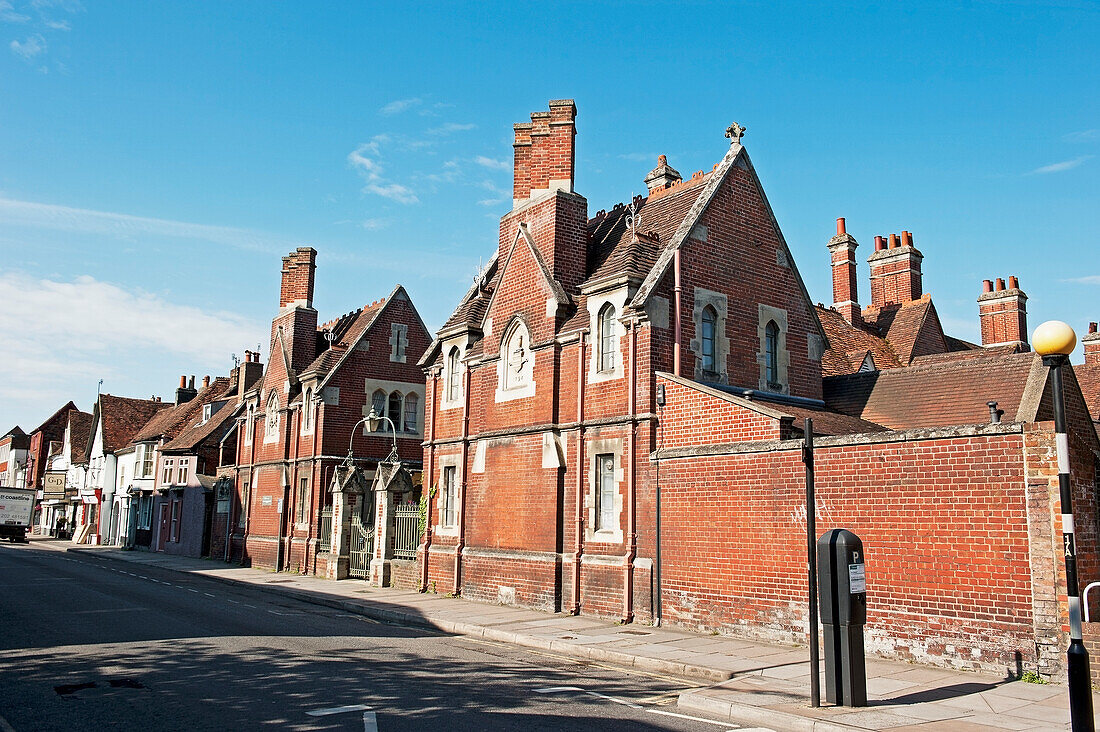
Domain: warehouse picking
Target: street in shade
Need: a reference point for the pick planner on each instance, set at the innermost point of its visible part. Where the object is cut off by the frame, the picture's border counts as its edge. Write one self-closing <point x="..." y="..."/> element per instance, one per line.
<point x="94" y="644"/>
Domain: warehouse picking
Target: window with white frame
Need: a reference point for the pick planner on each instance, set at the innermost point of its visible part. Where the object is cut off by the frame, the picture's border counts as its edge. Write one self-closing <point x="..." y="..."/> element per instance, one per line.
<point x="412" y="411"/>
<point x="606" y="515"/>
<point x="448" y="499"/>
<point x="249" y="424"/>
<point x="307" y="410"/>
<point x="177" y="506"/>
<point x="271" y="429"/>
<point x="707" y="339"/>
<point x="166" y="471"/>
<point x="378" y="404"/>
<point x="144" y="464"/>
<point x="145" y="512"/>
<point x="207" y="410"/>
<point x="453" y="375"/>
<point x="181" y="473"/>
<point x="606" y="339"/>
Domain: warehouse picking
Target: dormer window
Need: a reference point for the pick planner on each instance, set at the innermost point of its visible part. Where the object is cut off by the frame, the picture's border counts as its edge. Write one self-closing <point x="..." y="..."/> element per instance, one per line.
<point x="207" y="410"/>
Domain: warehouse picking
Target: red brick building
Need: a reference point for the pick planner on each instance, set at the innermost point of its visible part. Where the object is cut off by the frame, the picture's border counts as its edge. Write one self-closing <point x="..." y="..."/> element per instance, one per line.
<point x="296" y="423"/>
<point x="658" y="360"/>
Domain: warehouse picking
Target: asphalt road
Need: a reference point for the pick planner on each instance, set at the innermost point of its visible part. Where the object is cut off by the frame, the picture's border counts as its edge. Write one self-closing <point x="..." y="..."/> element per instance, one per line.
<point x="93" y="644"/>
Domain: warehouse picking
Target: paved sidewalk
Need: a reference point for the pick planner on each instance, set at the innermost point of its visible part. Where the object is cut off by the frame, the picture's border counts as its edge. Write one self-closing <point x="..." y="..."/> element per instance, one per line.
<point x="749" y="682"/>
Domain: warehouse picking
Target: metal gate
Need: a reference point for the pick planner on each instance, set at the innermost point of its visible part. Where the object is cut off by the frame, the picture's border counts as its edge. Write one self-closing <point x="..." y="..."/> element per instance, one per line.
<point x="362" y="548"/>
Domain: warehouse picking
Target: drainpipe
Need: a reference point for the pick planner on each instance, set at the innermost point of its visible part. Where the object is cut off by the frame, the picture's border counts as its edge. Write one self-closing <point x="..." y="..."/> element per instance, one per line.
<point x="579" y="539"/>
<point x="462" y="484"/>
<point x="312" y="473"/>
<point x="428" y="483"/>
<point x="631" y="519"/>
<point x="281" y="556"/>
<point x="677" y="289"/>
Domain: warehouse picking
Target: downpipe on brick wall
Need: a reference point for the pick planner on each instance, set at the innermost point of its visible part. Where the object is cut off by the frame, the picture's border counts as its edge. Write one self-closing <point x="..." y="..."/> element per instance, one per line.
<point x="461" y="545"/>
<point x="676" y="315"/>
<point x="426" y="485"/>
<point x="280" y="556"/>
<point x="631" y="519"/>
<point x="579" y="545"/>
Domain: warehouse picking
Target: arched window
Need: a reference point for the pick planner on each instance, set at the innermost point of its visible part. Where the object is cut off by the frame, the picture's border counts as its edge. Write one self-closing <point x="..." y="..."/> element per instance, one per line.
<point x="272" y="417"/>
<point x="250" y="423"/>
<point x="771" y="354"/>
<point x="378" y="404"/>
<point x="307" y="409"/>
<point x="607" y="337"/>
<point x="707" y="338"/>
<point x="454" y="386"/>
<point x="412" y="411"/>
<point x="394" y="412"/>
<point x="517" y="354"/>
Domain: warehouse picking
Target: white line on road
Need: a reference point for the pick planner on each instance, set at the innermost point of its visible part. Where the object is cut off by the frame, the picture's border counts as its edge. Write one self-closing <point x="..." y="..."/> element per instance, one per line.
<point x="208" y="594"/>
<point x="337" y="710"/>
<point x="727" y="725"/>
<point x="192" y="589"/>
<point x="554" y="689"/>
<point x="370" y="722"/>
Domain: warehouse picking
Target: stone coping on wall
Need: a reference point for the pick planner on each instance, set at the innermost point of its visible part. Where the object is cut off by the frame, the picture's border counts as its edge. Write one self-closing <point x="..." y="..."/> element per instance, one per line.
<point x="865" y="438"/>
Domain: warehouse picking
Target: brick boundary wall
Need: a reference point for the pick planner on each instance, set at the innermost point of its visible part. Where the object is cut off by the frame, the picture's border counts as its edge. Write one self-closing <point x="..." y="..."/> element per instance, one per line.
<point x="955" y="524"/>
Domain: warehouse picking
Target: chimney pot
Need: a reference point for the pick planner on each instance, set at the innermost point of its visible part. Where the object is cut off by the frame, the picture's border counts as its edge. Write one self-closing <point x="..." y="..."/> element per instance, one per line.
<point x="880" y="244"/>
<point x="1013" y="282"/>
<point x="894" y="241"/>
<point x="183" y="382"/>
<point x="662" y="160"/>
<point x="840" y="228"/>
<point x="1092" y="327"/>
<point x="1000" y="284"/>
<point x="987" y="285"/>
<point x="191" y="384"/>
<point x="206" y="381"/>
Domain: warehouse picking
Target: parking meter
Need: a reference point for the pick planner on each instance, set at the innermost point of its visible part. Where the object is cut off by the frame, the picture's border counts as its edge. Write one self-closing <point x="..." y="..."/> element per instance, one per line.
<point x="842" y="593"/>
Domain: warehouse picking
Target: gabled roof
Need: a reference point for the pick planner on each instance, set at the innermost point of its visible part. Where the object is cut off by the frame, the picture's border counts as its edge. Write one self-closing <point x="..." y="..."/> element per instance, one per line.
<point x="80" y="425"/>
<point x="941" y="394"/>
<point x="58" y="417"/>
<point x="15" y="431"/>
<point x="330" y="361"/>
<point x="171" y="421"/>
<point x="196" y="431"/>
<point x="912" y="328"/>
<point x="849" y="344"/>
<point x="121" y="418"/>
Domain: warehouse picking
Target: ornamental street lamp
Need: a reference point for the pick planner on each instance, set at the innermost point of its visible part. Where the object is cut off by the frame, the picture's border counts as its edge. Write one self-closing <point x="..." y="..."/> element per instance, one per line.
<point x="1054" y="341"/>
<point x="372" y="420"/>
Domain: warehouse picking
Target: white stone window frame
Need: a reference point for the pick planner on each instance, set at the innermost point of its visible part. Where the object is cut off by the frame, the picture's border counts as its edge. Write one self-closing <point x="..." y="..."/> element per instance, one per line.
<point x="309" y="415"/>
<point x="522" y="385"/>
<point x="302" y="502"/>
<point x="272" y="420"/>
<point x="595" y="304"/>
<point x="445" y="400"/>
<point x="448" y="461"/>
<point x="719" y="301"/>
<point x="594" y="449"/>
<point x="767" y="314"/>
<point x="370" y="386"/>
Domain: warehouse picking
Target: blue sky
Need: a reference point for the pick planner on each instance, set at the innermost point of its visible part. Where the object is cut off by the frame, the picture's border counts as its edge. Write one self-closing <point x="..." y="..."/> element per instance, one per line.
<point x="156" y="159"/>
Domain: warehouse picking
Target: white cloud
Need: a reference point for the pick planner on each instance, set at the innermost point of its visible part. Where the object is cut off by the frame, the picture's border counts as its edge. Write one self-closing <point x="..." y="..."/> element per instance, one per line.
<point x="125" y="226"/>
<point x="400" y="105"/>
<point x="492" y="163"/>
<point x="1082" y="135"/>
<point x="1062" y="166"/>
<point x="449" y="127"/>
<point x="85" y="329"/>
<point x="489" y="201"/>
<point x="373" y="224"/>
<point x="9" y="15"/>
<point x="28" y="49"/>
<point x="58" y="25"/>
<point x="1086" y="280"/>
<point x="364" y="160"/>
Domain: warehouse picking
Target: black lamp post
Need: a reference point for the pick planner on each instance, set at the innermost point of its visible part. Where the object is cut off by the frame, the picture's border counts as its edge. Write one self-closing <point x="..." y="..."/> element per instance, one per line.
<point x="1054" y="341"/>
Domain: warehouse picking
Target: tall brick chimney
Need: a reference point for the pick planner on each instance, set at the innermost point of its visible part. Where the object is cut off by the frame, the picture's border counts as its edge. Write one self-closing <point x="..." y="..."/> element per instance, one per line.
<point x="185" y="393"/>
<point x="895" y="271"/>
<point x="1091" y="343"/>
<point x="297" y="283"/>
<point x="842" y="251"/>
<point x="544" y="203"/>
<point x="544" y="152"/>
<point x="296" y="316"/>
<point x="1003" y="312"/>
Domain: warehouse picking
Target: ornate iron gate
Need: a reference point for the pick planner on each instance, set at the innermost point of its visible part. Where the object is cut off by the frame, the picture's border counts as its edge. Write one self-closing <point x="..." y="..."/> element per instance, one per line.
<point x="362" y="548"/>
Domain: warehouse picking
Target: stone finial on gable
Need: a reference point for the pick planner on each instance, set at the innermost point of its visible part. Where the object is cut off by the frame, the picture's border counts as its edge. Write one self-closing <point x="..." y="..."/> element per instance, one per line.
<point x="735" y="132"/>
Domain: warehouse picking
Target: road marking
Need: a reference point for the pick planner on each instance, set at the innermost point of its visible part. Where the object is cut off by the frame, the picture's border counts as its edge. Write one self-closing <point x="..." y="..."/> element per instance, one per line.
<point x="192" y="589"/>
<point x="337" y="710"/>
<point x="208" y="594"/>
<point x="727" y="725"/>
<point x="554" y="689"/>
<point x="235" y="602"/>
<point x="370" y="722"/>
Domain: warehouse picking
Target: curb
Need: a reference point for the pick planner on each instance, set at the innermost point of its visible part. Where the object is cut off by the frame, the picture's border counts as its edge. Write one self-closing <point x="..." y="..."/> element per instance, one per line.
<point x="396" y="617"/>
<point x="747" y="714"/>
